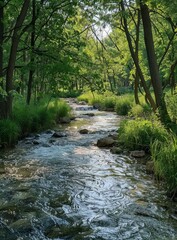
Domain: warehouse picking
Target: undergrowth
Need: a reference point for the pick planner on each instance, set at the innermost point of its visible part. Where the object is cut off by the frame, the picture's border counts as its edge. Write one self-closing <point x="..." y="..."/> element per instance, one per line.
<point x="33" y="118"/>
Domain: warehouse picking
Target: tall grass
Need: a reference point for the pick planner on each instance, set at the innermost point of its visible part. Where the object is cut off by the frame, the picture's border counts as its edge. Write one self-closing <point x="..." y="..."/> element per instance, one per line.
<point x="139" y="134"/>
<point x="164" y="155"/>
<point x="9" y="132"/>
<point x="171" y="102"/>
<point x="124" y="104"/>
<point x="33" y="118"/>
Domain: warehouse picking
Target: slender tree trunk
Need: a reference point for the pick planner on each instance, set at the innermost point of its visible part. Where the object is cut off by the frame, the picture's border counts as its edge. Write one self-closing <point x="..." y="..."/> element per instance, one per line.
<point x="12" y="58"/>
<point x="2" y="98"/>
<point x="136" y="84"/>
<point x="152" y="61"/>
<point x="31" y="72"/>
<point x="134" y="57"/>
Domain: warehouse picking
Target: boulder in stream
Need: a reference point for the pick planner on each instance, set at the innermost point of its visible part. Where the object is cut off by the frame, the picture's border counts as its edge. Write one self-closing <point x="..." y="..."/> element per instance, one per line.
<point x="106" y="142"/>
<point x="64" y="120"/>
<point x="138" y="154"/>
<point x="89" y="114"/>
<point x="116" y="150"/>
<point x="22" y="225"/>
<point x="59" y="134"/>
<point x="84" y="131"/>
<point x="2" y="168"/>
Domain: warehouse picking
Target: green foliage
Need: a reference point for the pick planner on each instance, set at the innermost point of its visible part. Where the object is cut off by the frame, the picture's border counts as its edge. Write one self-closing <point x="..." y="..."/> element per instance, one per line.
<point x="139" y="133"/>
<point x="59" y="108"/>
<point x="140" y="110"/>
<point x="9" y="132"/>
<point x="102" y="101"/>
<point x="109" y="102"/>
<point x="164" y="155"/>
<point x="36" y="117"/>
<point x="171" y="101"/>
<point x="124" y="104"/>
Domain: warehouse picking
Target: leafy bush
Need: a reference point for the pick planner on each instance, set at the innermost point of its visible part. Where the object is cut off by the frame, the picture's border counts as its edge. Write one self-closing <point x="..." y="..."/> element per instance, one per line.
<point x="124" y="104"/>
<point x="171" y="102"/>
<point x="139" y="134"/>
<point x="109" y="102"/>
<point x="102" y="101"/>
<point x="164" y="155"/>
<point x="9" y="132"/>
<point x="35" y="118"/>
<point x="140" y="110"/>
<point x="59" y="108"/>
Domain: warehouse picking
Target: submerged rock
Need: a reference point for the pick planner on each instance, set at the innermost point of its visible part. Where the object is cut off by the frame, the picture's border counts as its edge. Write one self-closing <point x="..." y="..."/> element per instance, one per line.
<point x="22" y="225"/>
<point x="59" y="134"/>
<point x="64" y="120"/>
<point x="116" y="150"/>
<point x="113" y="136"/>
<point x="2" y="168"/>
<point x="89" y="114"/>
<point x="105" y="142"/>
<point x="35" y="142"/>
<point x="84" y="131"/>
<point x="138" y="154"/>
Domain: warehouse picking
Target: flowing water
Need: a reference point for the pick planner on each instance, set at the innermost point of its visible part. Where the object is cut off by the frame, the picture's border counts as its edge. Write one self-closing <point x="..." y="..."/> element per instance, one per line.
<point x="68" y="188"/>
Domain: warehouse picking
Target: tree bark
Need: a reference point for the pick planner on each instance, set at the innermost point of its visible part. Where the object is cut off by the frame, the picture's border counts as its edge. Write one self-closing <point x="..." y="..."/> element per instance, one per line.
<point x="12" y="58"/>
<point x="134" y="57"/>
<point x="136" y="84"/>
<point x="31" y="72"/>
<point x="2" y="98"/>
<point x="152" y="60"/>
<point x="153" y="66"/>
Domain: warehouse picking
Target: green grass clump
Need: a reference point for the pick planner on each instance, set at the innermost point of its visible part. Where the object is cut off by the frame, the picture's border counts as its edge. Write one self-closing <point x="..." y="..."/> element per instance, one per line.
<point x="164" y="155"/>
<point x="140" y="110"/>
<point x="103" y="101"/>
<point x="109" y="103"/>
<point x="124" y="104"/>
<point x="171" y="102"/>
<point x="9" y="132"/>
<point x="139" y="134"/>
<point x="59" y="108"/>
<point x="37" y="117"/>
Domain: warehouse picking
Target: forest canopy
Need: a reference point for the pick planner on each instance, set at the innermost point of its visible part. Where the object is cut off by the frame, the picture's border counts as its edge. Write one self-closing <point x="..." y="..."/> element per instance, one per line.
<point x="48" y="47"/>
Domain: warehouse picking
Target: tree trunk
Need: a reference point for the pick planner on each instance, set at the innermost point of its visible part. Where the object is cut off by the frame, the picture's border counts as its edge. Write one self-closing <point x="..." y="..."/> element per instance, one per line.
<point x="136" y="84"/>
<point x="31" y="73"/>
<point x="152" y="61"/>
<point x="134" y="57"/>
<point x="2" y="98"/>
<point x="12" y="58"/>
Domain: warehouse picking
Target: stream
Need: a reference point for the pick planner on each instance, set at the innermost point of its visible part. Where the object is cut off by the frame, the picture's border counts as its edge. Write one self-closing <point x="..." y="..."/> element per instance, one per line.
<point x="68" y="188"/>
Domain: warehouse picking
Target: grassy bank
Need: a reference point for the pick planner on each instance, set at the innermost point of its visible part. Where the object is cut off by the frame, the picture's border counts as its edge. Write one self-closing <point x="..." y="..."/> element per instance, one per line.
<point x="33" y="118"/>
<point x="122" y="105"/>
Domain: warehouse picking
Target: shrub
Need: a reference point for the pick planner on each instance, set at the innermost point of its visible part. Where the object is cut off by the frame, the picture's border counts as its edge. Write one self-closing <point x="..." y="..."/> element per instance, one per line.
<point x="123" y="105"/>
<point x="140" y="110"/>
<point x="9" y="132"/>
<point x="35" y="118"/>
<point x="139" y="134"/>
<point x="23" y="116"/>
<point x="171" y="102"/>
<point x="109" y="102"/>
<point x="164" y="155"/>
<point x="59" y="108"/>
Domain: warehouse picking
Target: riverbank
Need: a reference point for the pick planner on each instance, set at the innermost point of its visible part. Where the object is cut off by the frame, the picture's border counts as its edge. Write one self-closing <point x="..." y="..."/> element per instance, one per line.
<point x="34" y="118"/>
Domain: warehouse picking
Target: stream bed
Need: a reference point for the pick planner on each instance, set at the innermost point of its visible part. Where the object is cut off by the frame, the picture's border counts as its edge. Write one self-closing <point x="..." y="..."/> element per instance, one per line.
<point x="68" y="188"/>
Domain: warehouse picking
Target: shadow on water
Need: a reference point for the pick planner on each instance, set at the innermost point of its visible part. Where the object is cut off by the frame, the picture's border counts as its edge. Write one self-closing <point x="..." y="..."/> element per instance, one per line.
<point x="68" y="188"/>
